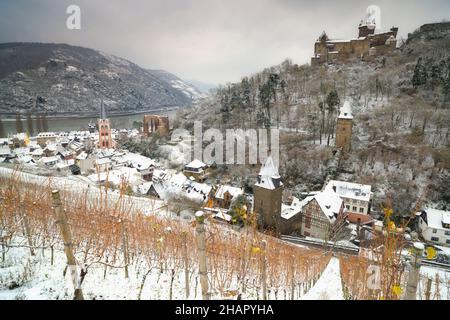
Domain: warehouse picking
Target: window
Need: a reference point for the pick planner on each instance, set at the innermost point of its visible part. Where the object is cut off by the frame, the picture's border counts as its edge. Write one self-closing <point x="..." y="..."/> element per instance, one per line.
<point x="355" y="208"/>
<point x="435" y="239"/>
<point x="447" y="233"/>
<point x="348" y="207"/>
<point x="434" y="230"/>
<point x="448" y="241"/>
<point x="361" y="210"/>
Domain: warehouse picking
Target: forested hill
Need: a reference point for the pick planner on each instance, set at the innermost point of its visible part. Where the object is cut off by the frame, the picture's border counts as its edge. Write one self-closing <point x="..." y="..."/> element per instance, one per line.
<point x="60" y="78"/>
<point x="401" y="104"/>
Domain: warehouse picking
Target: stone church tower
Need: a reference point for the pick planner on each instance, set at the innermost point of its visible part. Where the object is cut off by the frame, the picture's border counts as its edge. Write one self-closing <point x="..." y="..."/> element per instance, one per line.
<point x="344" y="128"/>
<point x="105" y="140"/>
<point x="268" y="192"/>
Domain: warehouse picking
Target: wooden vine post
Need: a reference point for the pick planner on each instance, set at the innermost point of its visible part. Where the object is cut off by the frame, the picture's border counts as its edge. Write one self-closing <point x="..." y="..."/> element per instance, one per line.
<point x="264" y="268"/>
<point x="201" y="245"/>
<point x="186" y="264"/>
<point x="414" y="271"/>
<point x="62" y="221"/>
<point x="124" y="246"/>
<point x="26" y="226"/>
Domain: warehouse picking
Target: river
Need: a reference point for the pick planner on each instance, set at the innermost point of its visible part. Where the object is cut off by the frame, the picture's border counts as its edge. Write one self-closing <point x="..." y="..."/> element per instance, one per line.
<point x="81" y="123"/>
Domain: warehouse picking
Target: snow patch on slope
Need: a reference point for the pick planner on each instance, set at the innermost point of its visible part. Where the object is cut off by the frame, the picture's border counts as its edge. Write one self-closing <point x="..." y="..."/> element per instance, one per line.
<point x="329" y="285"/>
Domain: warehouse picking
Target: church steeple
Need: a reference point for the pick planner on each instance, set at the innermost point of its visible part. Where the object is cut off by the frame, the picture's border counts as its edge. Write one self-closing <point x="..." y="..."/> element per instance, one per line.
<point x="102" y="111"/>
<point x="105" y="140"/>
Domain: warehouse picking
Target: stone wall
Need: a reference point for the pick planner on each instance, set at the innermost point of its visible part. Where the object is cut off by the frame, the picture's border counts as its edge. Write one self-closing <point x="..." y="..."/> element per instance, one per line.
<point x="329" y="51"/>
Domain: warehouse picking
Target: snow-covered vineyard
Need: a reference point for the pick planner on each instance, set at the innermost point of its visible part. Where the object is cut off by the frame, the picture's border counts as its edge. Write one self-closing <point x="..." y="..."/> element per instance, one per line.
<point x="123" y="252"/>
<point x="134" y="248"/>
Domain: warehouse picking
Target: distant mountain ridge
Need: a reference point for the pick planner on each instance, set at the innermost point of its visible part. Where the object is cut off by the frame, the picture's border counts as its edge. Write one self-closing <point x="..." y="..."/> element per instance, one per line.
<point x="64" y="79"/>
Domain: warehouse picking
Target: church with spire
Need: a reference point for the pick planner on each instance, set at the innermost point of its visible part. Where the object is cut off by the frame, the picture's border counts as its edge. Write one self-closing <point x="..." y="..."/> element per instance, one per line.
<point x="105" y="140"/>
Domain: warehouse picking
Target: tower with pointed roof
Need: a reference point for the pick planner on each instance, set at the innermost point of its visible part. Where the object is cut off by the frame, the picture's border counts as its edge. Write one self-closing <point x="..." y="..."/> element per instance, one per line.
<point x="105" y="140"/>
<point x="268" y="192"/>
<point x="344" y="127"/>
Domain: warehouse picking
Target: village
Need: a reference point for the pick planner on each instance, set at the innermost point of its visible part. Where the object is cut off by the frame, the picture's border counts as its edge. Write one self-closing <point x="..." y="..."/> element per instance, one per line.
<point x="318" y="178"/>
<point x="338" y="215"/>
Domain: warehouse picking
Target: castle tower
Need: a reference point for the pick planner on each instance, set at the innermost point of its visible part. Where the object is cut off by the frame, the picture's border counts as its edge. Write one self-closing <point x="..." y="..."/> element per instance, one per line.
<point x="268" y="193"/>
<point x="344" y="127"/>
<point x="156" y="123"/>
<point x="105" y="140"/>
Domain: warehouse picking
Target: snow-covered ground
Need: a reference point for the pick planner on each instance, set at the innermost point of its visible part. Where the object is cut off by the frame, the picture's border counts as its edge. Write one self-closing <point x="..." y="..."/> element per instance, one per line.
<point x="37" y="279"/>
<point x="77" y="184"/>
<point x="329" y="285"/>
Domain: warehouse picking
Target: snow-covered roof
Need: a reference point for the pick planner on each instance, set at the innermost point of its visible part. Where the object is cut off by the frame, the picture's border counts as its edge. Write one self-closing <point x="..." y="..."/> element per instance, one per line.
<point x="196" y="164"/>
<point x="446" y="217"/>
<point x="25" y="158"/>
<point x="145" y="187"/>
<point x="267" y="175"/>
<point x="435" y="218"/>
<point x="50" y="159"/>
<point x="330" y="203"/>
<point x="117" y="176"/>
<point x="23" y="150"/>
<point x="102" y="161"/>
<point x="20" y="136"/>
<point x="349" y="190"/>
<point x="51" y="147"/>
<point x="346" y="111"/>
<point x="82" y="156"/>
<point x="232" y="190"/>
<point x="65" y="164"/>
<point x="5" y="151"/>
<point x="289" y="211"/>
<point x="269" y="169"/>
<point x="221" y="215"/>
<point x="37" y="152"/>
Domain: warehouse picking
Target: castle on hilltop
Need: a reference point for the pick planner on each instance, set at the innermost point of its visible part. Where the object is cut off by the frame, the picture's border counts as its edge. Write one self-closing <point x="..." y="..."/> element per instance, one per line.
<point x="368" y="44"/>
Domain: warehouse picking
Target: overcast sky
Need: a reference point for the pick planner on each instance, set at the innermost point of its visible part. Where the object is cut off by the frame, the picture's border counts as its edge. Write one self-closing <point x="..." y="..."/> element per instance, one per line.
<point x="207" y="40"/>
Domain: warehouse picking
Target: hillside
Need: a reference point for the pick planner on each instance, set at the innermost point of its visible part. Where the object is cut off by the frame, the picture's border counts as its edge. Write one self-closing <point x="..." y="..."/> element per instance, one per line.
<point x="64" y="79"/>
<point x="400" y="142"/>
<point x="187" y="88"/>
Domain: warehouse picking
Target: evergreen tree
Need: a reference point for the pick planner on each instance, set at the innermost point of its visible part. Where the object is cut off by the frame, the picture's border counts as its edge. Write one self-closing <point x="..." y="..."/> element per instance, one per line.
<point x="333" y="99"/>
<point x="246" y="93"/>
<point x="420" y="75"/>
<point x="447" y="80"/>
<point x="225" y="107"/>
<point x="332" y="102"/>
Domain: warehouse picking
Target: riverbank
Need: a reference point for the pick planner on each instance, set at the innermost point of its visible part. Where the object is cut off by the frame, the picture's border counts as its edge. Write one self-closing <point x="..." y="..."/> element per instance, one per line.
<point x="86" y="115"/>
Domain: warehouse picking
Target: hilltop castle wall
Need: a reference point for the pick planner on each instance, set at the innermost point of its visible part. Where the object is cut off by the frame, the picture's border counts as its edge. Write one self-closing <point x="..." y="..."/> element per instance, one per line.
<point x="332" y="51"/>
